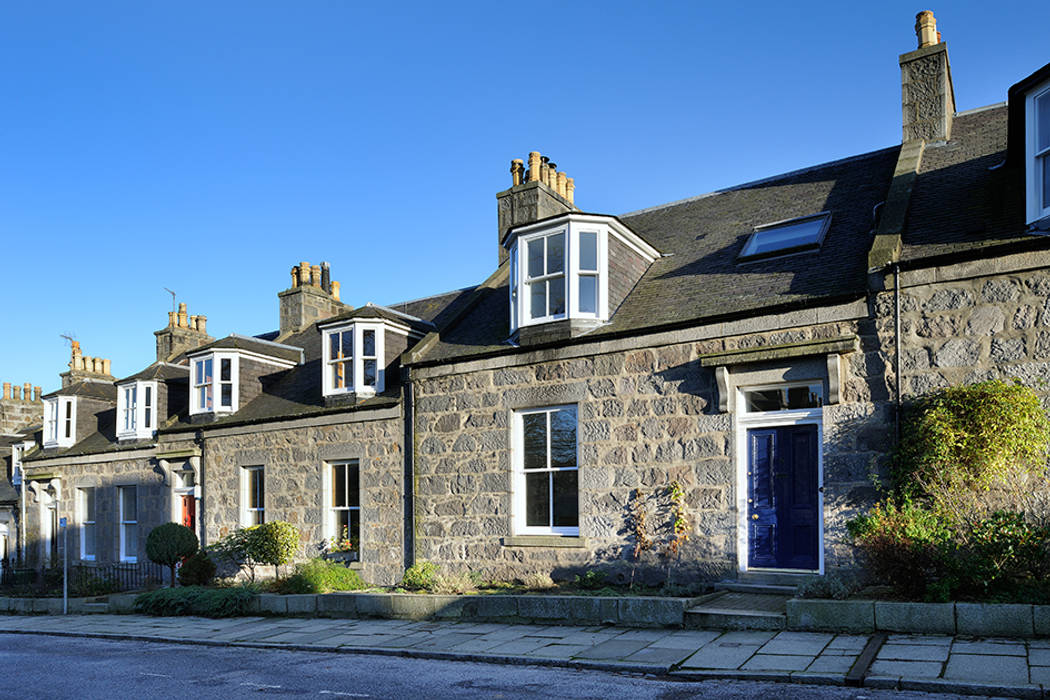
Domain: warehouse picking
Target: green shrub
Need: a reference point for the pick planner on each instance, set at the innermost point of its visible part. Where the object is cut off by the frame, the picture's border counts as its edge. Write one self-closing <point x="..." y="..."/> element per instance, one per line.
<point x="320" y="576"/>
<point x="834" y="586"/>
<point x="592" y="580"/>
<point x="1001" y="552"/>
<point x="273" y="543"/>
<point x="170" y="543"/>
<point x="195" y="600"/>
<point x="198" y="570"/>
<point x="420" y="576"/>
<point x="454" y="584"/>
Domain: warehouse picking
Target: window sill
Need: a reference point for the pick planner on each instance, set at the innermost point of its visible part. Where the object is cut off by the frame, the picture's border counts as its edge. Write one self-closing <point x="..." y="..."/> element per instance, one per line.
<point x="544" y="541"/>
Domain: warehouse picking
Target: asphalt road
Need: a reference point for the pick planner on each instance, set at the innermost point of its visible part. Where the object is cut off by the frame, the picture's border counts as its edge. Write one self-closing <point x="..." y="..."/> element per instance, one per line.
<point x="35" y="666"/>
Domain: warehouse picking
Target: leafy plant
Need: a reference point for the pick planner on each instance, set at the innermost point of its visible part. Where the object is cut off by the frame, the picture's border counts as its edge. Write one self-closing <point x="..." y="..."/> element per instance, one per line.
<point x="170" y="543"/>
<point x="835" y="585"/>
<point x="195" y="600"/>
<point x="420" y="576"/>
<point x="198" y="570"/>
<point x="454" y="584"/>
<point x="274" y="543"/>
<point x="343" y="543"/>
<point x="320" y="576"/>
<point x="592" y="580"/>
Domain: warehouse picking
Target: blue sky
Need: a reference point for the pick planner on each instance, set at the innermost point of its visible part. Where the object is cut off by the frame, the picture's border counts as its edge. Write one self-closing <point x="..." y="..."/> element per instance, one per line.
<point x="208" y="147"/>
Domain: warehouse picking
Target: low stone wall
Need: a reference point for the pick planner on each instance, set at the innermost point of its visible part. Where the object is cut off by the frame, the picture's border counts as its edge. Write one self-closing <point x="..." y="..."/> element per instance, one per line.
<point x="972" y="619"/>
<point x="550" y="610"/>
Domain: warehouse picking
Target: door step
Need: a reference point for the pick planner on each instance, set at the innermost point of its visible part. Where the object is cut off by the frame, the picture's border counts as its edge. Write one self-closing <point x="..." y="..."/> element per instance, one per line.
<point x="759" y="588"/>
<point x="740" y="611"/>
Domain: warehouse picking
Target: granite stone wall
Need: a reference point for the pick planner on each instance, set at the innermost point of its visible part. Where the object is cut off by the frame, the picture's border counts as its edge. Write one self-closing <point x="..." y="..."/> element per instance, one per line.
<point x="293" y="460"/>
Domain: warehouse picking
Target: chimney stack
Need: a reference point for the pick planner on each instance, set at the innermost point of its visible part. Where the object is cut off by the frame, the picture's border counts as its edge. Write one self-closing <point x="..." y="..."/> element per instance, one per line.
<point x="184" y="332"/>
<point x="81" y="367"/>
<point x="928" y="98"/>
<point x="534" y="194"/>
<point x="313" y="296"/>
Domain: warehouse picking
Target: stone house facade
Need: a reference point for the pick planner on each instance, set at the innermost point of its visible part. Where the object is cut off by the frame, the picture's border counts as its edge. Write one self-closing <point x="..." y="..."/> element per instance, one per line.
<point x="707" y="386"/>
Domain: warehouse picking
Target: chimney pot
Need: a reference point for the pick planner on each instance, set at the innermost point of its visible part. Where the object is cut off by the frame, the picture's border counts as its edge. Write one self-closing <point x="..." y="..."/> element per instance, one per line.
<point x="326" y="277"/>
<point x="171" y="319"/>
<point x="16" y="392"/>
<point x="7" y="390"/>
<point x="517" y="168"/>
<point x="304" y="274"/>
<point x="552" y="176"/>
<point x="561" y="184"/>
<point x="36" y="394"/>
<point x="315" y="275"/>
<point x="295" y="276"/>
<point x="105" y="366"/>
<point x="570" y="189"/>
<point x="534" y="166"/>
<point x="27" y="390"/>
<point x="182" y="316"/>
<point x="926" y="29"/>
<point x="202" y="323"/>
<point x="335" y="290"/>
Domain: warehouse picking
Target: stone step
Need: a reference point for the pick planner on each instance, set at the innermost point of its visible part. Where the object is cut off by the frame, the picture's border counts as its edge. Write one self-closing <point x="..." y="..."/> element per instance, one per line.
<point x="740" y="610"/>
<point x="767" y="588"/>
<point x="775" y="578"/>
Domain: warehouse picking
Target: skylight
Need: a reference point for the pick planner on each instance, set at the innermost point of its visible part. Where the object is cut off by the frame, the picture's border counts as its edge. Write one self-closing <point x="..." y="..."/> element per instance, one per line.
<point x="791" y="236"/>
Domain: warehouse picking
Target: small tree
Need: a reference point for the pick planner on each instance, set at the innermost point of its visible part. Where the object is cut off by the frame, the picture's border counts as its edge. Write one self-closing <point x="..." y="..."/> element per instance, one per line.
<point x="274" y="543"/>
<point x="170" y="543"/>
<point x="237" y="548"/>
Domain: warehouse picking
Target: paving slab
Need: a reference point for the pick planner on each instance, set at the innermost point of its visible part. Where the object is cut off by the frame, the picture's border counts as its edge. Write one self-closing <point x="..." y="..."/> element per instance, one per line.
<point x="613" y="649"/>
<point x="797" y="644"/>
<point x="848" y="641"/>
<point x="519" y="647"/>
<point x="832" y="664"/>
<point x="658" y="655"/>
<point x="686" y="640"/>
<point x="558" y="651"/>
<point x="777" y="662"/>
<point x="758" y="637"/>
<point x="444" y="641"/>
<point x="991" y="669"/>
<point x="721" y="656"/>
<point x="989" y="647"/>
<point x="908" y="669"/>
<point x="913" y="652"/>
<point x="931" y="639"/>
<point x="1038" y="656"/>
<point x="1039" y="674"/>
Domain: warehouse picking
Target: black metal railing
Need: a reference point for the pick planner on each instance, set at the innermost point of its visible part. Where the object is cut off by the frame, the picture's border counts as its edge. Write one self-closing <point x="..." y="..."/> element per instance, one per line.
<point x="84" y="579"/>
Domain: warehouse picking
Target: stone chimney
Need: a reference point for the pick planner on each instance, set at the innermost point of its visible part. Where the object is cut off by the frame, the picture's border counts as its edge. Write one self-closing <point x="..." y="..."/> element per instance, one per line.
<point x="183" y="332"/>
<point x="534" y="194"/>
<point x="20" y="407"/>
<point x="313" y="296"/>
<point x="926" y="85"/>
<point x="85" y="367"/>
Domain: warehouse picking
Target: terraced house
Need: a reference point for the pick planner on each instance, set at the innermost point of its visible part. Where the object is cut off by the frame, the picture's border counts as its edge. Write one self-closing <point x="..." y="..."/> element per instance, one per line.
<point x="733" y="363"/>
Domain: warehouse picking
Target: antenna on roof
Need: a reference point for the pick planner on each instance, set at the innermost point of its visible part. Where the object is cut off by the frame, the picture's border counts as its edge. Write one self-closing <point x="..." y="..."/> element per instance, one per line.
<point x="68" y="336"/>
<point x="174" y="306"/>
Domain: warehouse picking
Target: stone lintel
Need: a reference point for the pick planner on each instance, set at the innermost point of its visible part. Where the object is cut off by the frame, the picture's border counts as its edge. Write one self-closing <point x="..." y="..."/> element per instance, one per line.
<point x="544" y="541"/>
<point x="179" y="454"/>
<point x="840" y="345"/>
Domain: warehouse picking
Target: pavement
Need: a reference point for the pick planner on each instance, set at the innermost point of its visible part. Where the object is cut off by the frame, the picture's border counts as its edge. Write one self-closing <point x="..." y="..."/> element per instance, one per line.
<point x="931" y="663"/>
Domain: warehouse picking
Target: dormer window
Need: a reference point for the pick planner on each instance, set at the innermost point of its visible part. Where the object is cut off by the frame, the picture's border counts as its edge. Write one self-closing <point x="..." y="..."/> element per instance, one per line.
<point x="60" y="421"/>
<point x="787" y="237"/>
<point x="213" y="385"/>
<point x="353" y="359"/>
<point x="136" y="410"/>
<point x="1037" y="109"/>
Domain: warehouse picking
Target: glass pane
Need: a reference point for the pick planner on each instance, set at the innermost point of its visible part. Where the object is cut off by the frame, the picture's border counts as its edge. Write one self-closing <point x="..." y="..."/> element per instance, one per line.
<point x="589" y="251"/>
<point x="199" y="369"/>
<point x="354" y="532"/>
<point x="538" y="300"/>
<point x="148" y="418"/>
<point x="89" y="540"/>
<point x="368" y="344"/>
<point x="256" y="517"/>
<point x="130" y="504"/>
<point x="131" y="540"/>
<point x="342" y="524"/>
<point x="588" y="294"/>
<point x="339" y="375"/>
<point x="347" y="343"/>
<point x="207" y="370"/>
<point x="89" y="504"/>
<point x="225" y="369"/>
<point x="339" y="485"/>
<point x="353" y="496"/>
<point x="556" y="253"/>
<point x="784" y="398"/>
<point x="784" y="237"/>
<point x="368" y="368"/>
<point x="534" y="438"/>
<point x="563" y="438"/>
<point x="227" y="394"/>
<point x="557" y="290"/>
<point x="537" y="499"/>
<point x="1046" y="181"/>
<point x="334" y="351"/>
<point x="1042" y="109"/>
<point x="566" y="501"/>
<point x="256" y="488"/>
<point x="535" y="251"/>
<point x="149" y="396"/>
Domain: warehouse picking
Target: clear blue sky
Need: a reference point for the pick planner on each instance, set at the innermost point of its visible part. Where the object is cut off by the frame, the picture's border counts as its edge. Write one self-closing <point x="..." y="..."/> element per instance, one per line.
<point x="209" y="146"/>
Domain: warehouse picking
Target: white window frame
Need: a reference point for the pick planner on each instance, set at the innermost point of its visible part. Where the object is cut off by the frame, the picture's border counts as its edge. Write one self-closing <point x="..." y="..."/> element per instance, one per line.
<point x="87" y="520"/>
<point x="138" y="412"/>
<point x="1034" y="176"/>
<point x="216" y="383"/>
<point x="520" y="302"/>
<point x="122" y="523"/>
<point x="330" y="510"/>
<point x="60" y="421"/>
<point x="356" y="375"/>
<point x="248" y="517"/>
<point x="769" y="419"/>
<point x="518" y="516"/>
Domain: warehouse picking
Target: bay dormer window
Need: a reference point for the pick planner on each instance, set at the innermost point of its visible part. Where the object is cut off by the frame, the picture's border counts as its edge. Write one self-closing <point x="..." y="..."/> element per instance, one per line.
<point x="136" y="410"/>
<point x="353" y="359"/>
<point x="60" y="421"/>
<point x="1037" y="113"/>
<point x="560" y="268"/>
<point x="213" y="385"/>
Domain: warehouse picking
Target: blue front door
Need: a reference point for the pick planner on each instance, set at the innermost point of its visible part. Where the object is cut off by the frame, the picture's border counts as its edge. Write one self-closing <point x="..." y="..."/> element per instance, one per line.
<point x="782" y="497"/>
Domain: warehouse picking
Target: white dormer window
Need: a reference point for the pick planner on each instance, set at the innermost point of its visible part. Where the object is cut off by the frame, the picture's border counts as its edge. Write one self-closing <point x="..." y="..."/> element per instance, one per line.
<point x="353" y="359"/>
<point x="1037" y="109"/>
<point x="213" y="383"/>
<point x="136" y="410"/>
<point x="60" y="421"/>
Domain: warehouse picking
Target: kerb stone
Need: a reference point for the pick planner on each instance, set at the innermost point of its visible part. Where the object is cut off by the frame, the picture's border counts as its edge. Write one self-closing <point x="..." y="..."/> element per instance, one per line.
<point x="1001" y="619"/>
<point x="833" y="615"/>
<point x="1040" y="620"/>
<point x="652" y="612"/>
<point x="923" y="618"/>
<point x="545" y="608"/>
<point x="374" y="605"/>
<point x="301" y="604"/>
<point x="497" y="607"/>
<point x="337" y="605"/>
<point x="407" y="606"/>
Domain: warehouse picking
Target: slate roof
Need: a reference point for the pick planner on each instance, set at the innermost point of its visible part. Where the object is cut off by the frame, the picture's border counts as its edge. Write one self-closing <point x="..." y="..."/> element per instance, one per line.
<point x="104" y="391"/>
<point x="373" y="311"/>
<point x="699" y="278"/>
<point x="243" y="342"/>
<point x="159" y="370"/>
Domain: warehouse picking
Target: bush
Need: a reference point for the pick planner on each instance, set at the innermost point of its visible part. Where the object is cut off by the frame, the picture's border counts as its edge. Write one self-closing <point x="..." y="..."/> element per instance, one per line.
<point x="592" y="580"/>
<point x="273" y="543"/>
<point x="834" y="586"/>
<point x="1001" y="552"/>
<point x="195" y="600"/>
<point x="198" y="570"/>
<point x="320" y="576"/>
<point x="170" y="543"/>
<point x="235" y="548"/>
<point x="420" y="576"/>
<point x="453" y="584"/>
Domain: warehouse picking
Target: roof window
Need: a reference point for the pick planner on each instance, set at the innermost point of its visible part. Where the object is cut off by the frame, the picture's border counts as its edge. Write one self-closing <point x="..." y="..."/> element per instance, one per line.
<point x="786" y="237"/>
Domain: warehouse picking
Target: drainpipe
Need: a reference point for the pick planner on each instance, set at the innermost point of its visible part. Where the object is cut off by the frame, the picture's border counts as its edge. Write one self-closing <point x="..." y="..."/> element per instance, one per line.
<point x="897" y="345"/>
<point x="408" y="487"/>
<point x="199" y="488"/>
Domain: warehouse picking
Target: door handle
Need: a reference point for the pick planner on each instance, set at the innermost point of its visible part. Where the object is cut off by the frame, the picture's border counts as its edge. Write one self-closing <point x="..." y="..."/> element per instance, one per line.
<point x="754" y="517"/>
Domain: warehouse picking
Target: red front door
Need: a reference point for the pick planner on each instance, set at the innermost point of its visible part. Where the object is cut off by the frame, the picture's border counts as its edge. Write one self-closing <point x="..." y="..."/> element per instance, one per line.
<point x="189" y="512"/>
